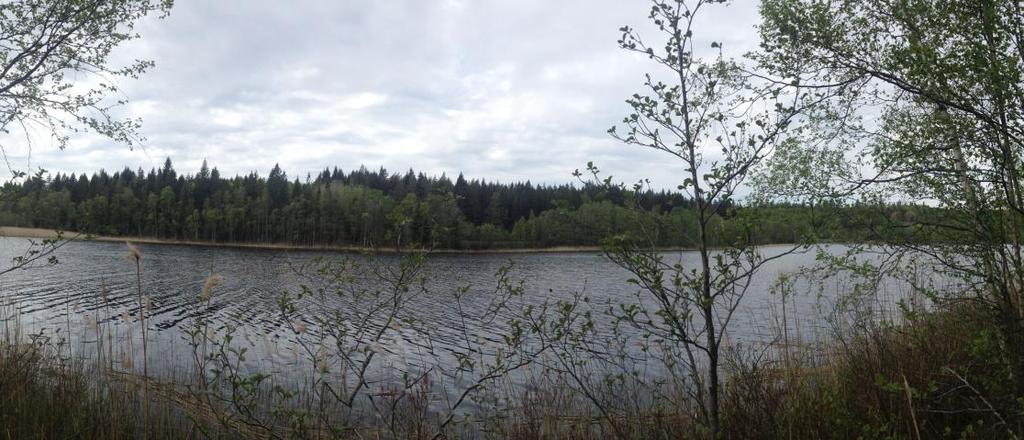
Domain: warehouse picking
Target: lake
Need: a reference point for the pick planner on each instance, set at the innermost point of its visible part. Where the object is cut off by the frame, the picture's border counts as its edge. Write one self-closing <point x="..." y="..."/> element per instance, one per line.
<point x="95" y="283"/>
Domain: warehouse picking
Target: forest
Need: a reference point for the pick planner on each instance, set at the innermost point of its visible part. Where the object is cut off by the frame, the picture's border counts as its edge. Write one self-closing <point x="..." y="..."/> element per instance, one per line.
<point x="379" y="209"/>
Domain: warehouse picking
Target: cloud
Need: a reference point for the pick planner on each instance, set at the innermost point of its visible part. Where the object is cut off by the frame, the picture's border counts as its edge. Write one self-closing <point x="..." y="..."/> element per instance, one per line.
<point x="495" y="89"/>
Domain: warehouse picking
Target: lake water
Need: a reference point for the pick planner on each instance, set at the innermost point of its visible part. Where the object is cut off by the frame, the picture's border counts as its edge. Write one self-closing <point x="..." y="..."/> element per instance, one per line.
<point x="95" y="282"/>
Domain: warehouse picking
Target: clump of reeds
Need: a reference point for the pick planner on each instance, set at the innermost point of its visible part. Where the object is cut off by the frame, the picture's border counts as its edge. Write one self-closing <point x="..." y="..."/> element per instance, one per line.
<point x="45" y="396"/>
<point x="144" y="305"/>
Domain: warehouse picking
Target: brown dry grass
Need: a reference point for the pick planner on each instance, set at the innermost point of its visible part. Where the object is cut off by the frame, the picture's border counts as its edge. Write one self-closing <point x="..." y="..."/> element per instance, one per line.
<point x="11" y="231"/>
<point x="40" y="233"/>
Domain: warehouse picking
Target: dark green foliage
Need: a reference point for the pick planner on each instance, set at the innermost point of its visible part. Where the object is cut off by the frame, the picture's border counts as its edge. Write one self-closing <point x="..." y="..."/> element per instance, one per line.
<point x="365" y="208"/>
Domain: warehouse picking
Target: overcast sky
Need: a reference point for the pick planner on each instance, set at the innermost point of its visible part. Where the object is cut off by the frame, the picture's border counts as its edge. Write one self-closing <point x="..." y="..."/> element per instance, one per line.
<point x="502" y="90"/>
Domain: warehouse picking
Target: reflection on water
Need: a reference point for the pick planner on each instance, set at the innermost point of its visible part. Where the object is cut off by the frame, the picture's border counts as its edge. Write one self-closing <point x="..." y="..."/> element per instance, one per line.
<point x="95" y="281"/>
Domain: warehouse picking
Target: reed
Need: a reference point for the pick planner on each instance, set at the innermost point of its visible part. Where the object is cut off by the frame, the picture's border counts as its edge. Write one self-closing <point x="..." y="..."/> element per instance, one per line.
<point x="43" y="395"/>
<point x="136" y="257"/>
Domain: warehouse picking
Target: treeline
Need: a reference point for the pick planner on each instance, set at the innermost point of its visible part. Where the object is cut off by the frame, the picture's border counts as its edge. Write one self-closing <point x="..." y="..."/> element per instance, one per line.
<point x="377" y="208"/>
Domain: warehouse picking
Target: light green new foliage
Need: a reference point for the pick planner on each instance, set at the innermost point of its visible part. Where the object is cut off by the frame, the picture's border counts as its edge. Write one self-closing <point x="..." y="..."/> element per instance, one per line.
<point x="47" y="47"/>
<point x="720" y="122"/>
<point x="929" y="106"/>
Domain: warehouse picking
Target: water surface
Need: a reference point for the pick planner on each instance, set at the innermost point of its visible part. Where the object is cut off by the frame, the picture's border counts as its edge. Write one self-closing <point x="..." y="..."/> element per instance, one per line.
<point x="95" y="283"/>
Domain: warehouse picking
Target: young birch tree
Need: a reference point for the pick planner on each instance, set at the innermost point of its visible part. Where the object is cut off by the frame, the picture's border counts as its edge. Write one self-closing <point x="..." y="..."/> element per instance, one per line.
<point x="719" y="124"/>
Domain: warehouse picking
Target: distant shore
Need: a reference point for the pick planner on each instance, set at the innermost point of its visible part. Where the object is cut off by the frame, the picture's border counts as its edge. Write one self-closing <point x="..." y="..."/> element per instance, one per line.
<point x="40" y="233"/>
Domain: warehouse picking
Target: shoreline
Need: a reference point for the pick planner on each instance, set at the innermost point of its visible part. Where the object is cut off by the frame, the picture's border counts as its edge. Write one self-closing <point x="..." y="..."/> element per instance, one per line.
<point x="40" y="233"/>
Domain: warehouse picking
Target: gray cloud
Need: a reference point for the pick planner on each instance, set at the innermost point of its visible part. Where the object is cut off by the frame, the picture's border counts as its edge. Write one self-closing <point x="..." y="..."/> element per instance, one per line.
<point x="497" y="89"/>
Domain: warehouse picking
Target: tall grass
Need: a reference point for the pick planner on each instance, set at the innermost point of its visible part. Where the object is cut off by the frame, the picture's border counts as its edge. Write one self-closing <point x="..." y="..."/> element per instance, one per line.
<point x="136" y="257"/>
<point x="936" y="375"/>
<point x="45" y="394"/>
